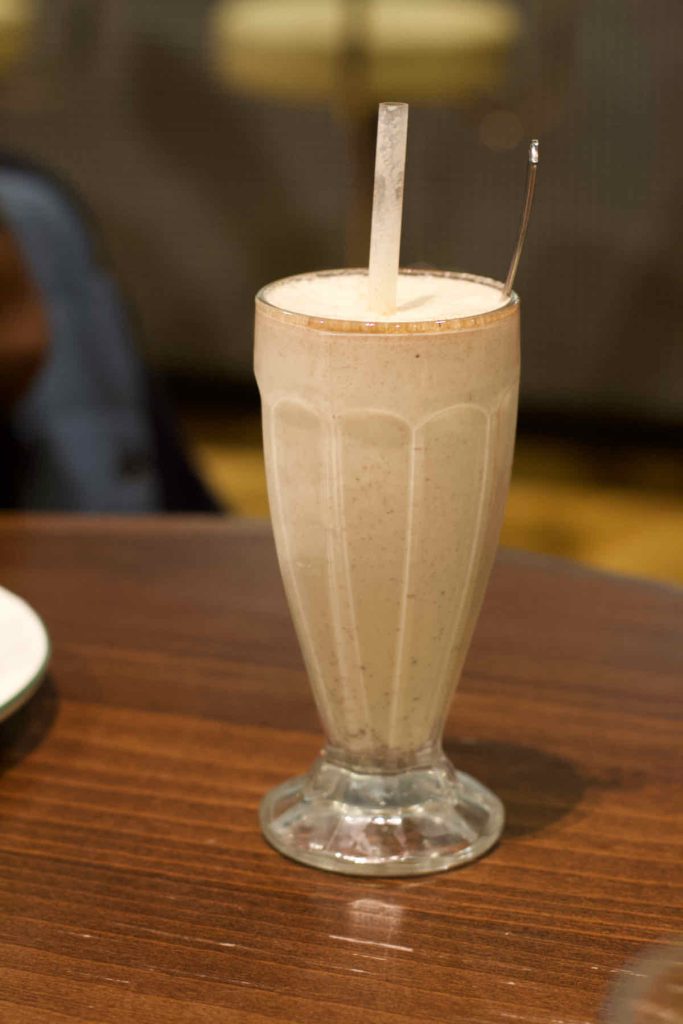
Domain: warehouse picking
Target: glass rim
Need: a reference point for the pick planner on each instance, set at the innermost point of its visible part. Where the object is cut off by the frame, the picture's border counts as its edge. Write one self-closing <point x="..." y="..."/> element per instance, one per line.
<point x="336" y="325"/>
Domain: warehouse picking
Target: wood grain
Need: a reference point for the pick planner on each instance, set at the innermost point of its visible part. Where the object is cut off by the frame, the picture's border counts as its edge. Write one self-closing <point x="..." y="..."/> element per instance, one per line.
<point x="134" y="883"/>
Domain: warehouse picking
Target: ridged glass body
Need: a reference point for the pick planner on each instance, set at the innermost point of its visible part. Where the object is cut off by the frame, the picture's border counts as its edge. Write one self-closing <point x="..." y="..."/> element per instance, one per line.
<point x="388" y="453"/>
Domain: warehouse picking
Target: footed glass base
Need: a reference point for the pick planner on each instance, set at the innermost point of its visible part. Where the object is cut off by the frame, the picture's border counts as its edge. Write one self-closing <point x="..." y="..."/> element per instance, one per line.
<point x="409" y="822"/>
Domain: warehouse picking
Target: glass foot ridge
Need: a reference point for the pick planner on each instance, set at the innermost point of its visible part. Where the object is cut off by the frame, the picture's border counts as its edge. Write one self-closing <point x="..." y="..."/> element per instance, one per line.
<point x="411" y="822"/>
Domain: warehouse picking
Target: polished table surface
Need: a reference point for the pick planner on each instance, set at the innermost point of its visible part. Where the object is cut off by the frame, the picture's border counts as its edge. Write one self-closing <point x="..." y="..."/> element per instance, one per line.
<point x="135" y="885"/>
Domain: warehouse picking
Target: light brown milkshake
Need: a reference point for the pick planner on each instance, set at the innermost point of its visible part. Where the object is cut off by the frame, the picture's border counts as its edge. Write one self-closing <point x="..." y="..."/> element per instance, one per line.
<point x="388" y="451"/>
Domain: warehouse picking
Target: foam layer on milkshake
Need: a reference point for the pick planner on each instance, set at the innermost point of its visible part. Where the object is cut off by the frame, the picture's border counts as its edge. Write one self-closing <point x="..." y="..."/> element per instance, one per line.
<point x="419" y="297"/>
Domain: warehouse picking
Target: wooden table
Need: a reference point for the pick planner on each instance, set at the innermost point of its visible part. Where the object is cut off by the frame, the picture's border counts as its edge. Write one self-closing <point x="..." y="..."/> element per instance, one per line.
<point x="134" y="883"/>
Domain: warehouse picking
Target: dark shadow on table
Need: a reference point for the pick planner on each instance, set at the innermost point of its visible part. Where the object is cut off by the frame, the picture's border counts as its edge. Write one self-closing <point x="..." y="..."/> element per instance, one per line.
<point x="537" y="788"/>
<point x="25" y="729"/>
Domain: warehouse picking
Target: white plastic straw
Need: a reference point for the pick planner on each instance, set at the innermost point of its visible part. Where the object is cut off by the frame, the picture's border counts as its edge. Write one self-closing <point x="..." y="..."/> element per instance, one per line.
<point x="387" y="206"/>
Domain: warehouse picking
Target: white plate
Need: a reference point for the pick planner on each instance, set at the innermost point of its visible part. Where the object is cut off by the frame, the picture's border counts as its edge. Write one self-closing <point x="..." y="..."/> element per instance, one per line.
<point x="24" y="652"/>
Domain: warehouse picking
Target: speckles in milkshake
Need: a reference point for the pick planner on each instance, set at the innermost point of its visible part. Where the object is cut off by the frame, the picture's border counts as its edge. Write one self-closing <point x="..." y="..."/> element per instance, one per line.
<point x="386" y="484"/>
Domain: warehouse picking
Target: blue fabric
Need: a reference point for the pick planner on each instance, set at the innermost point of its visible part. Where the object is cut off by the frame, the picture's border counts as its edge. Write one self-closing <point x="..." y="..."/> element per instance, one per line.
<point x="83" y="429"/>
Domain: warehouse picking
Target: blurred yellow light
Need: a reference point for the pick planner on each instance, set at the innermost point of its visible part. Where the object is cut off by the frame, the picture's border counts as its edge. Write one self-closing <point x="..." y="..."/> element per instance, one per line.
<point x="16" y="20"/>
<point x="415" y="50"/>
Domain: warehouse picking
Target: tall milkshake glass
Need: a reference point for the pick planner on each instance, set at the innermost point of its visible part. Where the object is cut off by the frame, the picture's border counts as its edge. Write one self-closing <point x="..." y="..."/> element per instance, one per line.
<point x="388" y="451"/>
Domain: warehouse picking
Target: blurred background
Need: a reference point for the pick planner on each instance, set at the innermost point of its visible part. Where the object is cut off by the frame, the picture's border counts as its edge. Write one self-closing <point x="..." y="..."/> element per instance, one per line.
<point x="176" y="156"/>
